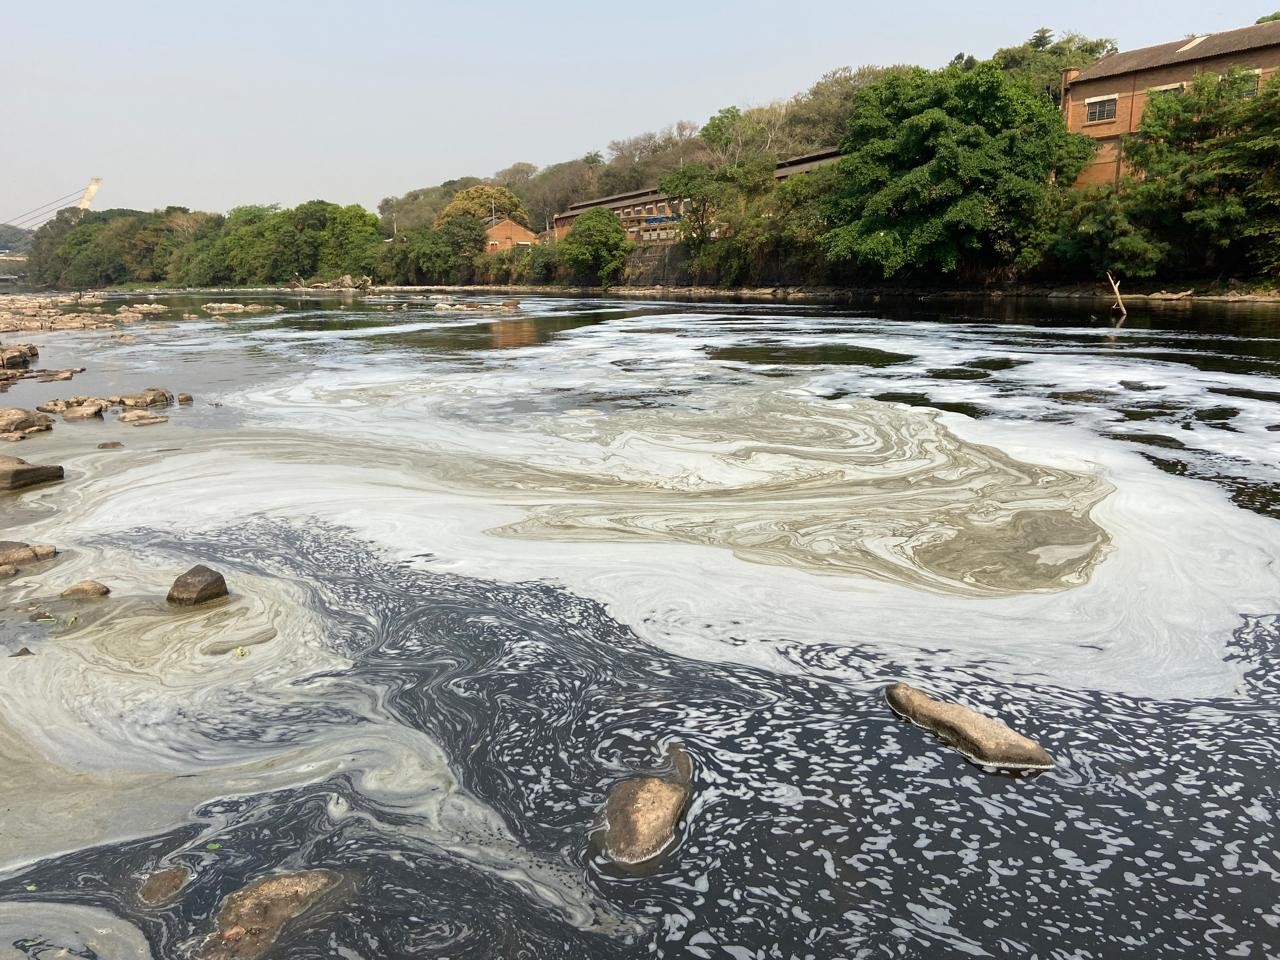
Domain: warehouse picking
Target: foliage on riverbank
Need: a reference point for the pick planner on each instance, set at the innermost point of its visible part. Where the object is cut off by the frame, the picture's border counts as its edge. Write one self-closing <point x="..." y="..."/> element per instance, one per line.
<point x="959" y="176"/>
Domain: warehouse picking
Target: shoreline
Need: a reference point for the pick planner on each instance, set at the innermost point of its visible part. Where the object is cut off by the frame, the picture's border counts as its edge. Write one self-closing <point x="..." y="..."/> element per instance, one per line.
<point x="698" y="294"/>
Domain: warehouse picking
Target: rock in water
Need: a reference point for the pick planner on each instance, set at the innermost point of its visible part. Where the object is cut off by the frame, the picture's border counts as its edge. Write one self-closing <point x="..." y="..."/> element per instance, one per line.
<point x="85" y="589"/>
<point x="15" y="473"/>
<point x="982" y="739"/>
<point x="642" y="813"/>
<point x="110" y="445"/>
<point x="15" y="552"/>
<point x="197" y="585"/>
<point x="163" y="884"/>
<point x="250" y="919"/>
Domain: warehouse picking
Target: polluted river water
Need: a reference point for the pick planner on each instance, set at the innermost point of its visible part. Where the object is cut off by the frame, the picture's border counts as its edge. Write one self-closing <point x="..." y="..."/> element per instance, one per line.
<point x="484" y="566"/>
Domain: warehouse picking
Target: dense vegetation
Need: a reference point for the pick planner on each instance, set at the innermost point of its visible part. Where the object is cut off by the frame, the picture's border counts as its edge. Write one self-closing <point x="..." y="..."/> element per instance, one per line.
<point x="961" y="175"/>
<point x="14" y="238"/>
<point x="1203" y="195"/>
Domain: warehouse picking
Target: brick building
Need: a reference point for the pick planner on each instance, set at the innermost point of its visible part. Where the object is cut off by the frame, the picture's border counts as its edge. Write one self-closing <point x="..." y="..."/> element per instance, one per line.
<point x="503" y="234"/>
<point x="1106" y="100"/>
<point x="649" y="215"/>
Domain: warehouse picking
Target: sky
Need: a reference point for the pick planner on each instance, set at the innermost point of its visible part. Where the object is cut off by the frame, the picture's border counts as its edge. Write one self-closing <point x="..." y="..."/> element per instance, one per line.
<point x="213" y="105"/>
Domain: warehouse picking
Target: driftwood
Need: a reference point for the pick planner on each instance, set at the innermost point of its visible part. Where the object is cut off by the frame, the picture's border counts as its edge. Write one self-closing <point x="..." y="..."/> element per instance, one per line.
<point x="1118" y="307"/>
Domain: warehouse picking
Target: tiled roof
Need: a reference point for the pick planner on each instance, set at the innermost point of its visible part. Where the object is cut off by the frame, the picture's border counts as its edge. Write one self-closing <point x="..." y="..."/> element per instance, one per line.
<point x="1185" y="51"/>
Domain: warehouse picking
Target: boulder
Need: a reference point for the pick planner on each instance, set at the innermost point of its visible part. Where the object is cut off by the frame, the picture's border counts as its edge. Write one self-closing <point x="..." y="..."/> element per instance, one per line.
<point x="23" y="652"/>
<point x="197" y="585"/>
<point x="163" y="884"/>
<point x="982" y="739"/>
<point x="186" y="398"/>
<point x="87" y="411"/>
<point x="85" y="589"/>
<point x="17" y="420"/>
<point x="7" y="570"/>
<point x="250" y="920"/>
<point x="15" y="553"/>
<point x="150" y="397"/>
<point x="15" y="473"/>
<point x="642" y="813"/>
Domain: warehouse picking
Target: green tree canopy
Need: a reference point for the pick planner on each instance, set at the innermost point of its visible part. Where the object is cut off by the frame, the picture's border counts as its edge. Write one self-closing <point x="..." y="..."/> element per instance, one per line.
<point x="482" y="202"/>
<point x="1040" y="61"/>
<point x="950" y="171"/>
<point x="596" y="247"/>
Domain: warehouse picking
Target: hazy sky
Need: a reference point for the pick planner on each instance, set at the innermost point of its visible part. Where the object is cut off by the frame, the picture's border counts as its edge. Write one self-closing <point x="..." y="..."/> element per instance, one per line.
<point x="210" y="105"/>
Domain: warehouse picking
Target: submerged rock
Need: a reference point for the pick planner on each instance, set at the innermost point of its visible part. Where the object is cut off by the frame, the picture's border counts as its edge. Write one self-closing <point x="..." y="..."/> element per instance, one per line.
<point x="251" y="919"/>
<point x="7" y="570"/>
<point x="163" y="884"/>
<point x="15" y="552"/>
<point x="141" y="418"/>
<point x="641" y="814"/>
<point x="85" y="589"/>
<point x="197" y="585"/>
<point x="110" y="445"/>
<point x="984" y="740"/>
<point x="16" y="473"/>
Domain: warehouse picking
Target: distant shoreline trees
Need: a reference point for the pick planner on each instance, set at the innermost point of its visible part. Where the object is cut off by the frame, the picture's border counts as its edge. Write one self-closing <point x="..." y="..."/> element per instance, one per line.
<point x="958" y="176"/>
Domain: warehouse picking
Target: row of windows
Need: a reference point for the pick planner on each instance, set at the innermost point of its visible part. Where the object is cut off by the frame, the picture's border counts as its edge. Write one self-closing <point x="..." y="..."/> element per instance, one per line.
<point x="1097" y="111"/>
<point x="663" y="209"/>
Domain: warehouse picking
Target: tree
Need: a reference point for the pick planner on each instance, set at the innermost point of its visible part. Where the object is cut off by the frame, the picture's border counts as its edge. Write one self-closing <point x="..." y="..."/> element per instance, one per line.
<point x="696" y="188"/>
<point x="1269" y="17"/>
<point x="1182" y="192"/>
<point x="484" y="201"/>
<point x="1040" y="61"/>
<point x="952" y="171"/>
<point x="596" y="247"/>
<point x="819" y="117"/>
<point x="515" y="175"/>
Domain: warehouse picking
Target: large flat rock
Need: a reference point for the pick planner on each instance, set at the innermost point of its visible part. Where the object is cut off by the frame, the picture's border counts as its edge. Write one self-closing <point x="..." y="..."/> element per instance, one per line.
<point x="984" y="740"/>
<point x="16" y="473"/>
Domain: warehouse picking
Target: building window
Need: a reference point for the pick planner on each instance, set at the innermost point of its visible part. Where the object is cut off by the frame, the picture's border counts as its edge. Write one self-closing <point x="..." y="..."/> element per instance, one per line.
<point x="1098" y="110"/>
<point x="1253" y="85"/>
<point x="1169" y="88"/>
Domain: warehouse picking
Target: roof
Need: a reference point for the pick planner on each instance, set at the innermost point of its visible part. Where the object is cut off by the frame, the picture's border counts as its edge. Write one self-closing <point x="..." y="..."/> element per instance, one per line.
<point x="783" y="169"/>
<point x="1185" y="50"/>
<point x="494" y="222"/>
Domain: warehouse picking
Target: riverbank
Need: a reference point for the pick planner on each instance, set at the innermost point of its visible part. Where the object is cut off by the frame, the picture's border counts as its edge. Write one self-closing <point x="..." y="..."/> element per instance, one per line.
<point x="1090" y="294"/>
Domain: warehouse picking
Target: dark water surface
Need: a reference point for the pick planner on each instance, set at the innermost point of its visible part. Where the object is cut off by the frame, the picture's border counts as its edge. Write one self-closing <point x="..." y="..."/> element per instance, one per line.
<point x="485" y="566"/>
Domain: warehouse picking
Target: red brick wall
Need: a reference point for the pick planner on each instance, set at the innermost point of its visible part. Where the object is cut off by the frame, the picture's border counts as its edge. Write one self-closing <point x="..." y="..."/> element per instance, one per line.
<point x="1131" y="90"/>
<point x="507" y="234"/>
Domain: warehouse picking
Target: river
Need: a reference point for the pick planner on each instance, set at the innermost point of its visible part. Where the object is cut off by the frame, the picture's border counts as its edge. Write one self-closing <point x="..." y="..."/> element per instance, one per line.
<point x="484" y="565"/>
